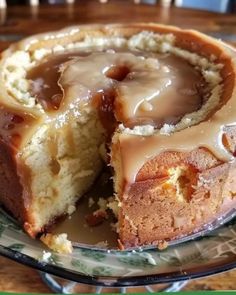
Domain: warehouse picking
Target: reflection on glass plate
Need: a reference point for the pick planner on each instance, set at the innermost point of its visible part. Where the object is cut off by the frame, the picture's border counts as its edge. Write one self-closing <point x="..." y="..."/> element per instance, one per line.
<point x="213" y="253"/>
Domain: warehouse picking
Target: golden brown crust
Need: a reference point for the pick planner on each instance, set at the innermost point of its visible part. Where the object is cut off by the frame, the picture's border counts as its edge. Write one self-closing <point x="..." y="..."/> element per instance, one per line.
<point x="10" y="187"/>
<point x="152" y="212"/>
<point x="13" y="195"/>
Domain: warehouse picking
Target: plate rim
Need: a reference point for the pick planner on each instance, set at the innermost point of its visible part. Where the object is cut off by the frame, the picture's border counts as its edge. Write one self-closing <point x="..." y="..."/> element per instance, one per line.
<point x="111" y="281"/>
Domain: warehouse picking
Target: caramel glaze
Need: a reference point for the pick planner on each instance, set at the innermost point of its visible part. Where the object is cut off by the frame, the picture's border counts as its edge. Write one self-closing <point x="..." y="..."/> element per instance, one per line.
<point x="134" y="88"/>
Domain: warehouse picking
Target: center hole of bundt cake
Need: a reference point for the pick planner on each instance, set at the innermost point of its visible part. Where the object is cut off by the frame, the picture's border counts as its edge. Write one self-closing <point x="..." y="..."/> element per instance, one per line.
<point x="118" y="73"/>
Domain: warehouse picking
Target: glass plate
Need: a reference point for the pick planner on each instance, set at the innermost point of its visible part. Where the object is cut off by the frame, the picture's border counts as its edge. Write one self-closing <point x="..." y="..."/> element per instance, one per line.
<point x="211" y="254"/>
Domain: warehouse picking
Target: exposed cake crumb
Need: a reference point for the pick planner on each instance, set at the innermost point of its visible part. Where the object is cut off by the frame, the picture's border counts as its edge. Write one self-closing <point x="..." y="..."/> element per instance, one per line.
<point x="102" y="203"/>
<point x="167" y="129"/>
<point x="162" y="245"/>
<point x="175" y="174"/>
<point x="71" y="209"/>
<point x="91" y="202"/>
<point x="113" y="205"/>
<point x="58" y="243"/>
<point x="187" y="120"/>
<point x="144" y="130"/>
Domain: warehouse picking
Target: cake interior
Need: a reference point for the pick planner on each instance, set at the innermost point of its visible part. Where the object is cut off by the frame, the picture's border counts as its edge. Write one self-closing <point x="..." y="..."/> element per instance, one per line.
<point x="73" y="134"/>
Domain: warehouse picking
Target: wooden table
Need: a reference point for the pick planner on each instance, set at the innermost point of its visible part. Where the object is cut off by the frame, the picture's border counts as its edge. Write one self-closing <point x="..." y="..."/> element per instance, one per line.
<point x="20" y="21"/>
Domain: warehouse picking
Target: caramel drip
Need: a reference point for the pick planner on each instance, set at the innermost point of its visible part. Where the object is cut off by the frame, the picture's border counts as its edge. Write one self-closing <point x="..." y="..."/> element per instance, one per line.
<point x="208" y="134"/>
<point x="44" y="80"/>
<point x="104" y="103"/>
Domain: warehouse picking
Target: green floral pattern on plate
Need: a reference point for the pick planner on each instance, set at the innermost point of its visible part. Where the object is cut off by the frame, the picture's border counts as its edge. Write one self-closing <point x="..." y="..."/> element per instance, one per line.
<point x="217" y="248"/>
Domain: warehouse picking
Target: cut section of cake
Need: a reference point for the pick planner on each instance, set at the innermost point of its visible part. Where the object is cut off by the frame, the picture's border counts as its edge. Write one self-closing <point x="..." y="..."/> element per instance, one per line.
<point x="155" y="102"/>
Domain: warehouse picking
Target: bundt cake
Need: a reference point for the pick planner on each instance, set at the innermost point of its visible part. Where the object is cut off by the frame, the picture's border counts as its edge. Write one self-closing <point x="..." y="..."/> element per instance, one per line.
<point x="156" y="103"/>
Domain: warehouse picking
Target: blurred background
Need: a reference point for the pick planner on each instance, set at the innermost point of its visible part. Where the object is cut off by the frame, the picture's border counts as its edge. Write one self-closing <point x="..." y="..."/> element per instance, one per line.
<point x="213" y="17"/>
<point x="221" y="6"/>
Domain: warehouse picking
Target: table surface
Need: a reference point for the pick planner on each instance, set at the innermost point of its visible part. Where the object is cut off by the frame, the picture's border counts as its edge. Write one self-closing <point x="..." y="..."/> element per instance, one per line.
<point x="19" y="21"/>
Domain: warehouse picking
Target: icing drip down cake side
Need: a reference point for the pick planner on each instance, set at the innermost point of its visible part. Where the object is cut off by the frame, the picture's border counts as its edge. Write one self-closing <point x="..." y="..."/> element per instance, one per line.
<point x="154" y="102"/>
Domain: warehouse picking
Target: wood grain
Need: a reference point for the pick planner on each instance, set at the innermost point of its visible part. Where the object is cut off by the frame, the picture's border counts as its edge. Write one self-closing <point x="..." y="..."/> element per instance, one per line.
<point x="20" y="21"/>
